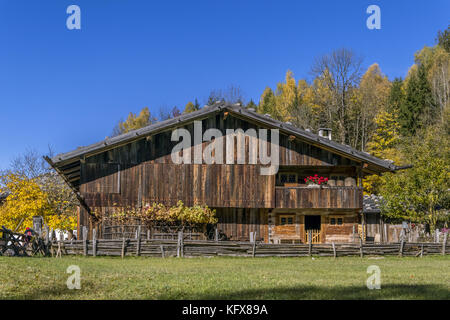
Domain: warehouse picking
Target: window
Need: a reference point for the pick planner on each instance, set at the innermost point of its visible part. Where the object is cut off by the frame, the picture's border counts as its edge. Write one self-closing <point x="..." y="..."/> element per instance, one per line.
<point x="287" y="177"/>
<point x="336" y="221"/>
<point x="286" y="220"/>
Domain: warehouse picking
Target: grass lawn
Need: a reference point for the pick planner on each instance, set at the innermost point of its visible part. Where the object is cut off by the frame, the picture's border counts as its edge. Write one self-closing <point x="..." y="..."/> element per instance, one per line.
<point x="224" y="278"/>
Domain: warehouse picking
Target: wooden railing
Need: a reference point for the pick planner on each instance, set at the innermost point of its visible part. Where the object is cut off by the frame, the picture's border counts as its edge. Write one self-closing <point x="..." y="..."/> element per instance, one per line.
<point x="322" y="197"/>
<point x="312" y="236"/>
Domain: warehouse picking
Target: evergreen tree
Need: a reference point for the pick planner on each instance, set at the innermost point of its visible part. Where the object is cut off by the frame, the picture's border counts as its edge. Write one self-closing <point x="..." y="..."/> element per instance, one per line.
<point x="418" y="109"/>
<point x="251" y="104"/>
<point x="267" y="103"/>
<point x="396" y="97"/>
<point x="196" y="104"/>
<point x="443" y="39"/>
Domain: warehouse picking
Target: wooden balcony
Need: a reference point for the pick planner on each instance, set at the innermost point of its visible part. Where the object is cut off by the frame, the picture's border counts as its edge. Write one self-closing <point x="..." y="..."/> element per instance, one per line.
<point x="319" y="198"/>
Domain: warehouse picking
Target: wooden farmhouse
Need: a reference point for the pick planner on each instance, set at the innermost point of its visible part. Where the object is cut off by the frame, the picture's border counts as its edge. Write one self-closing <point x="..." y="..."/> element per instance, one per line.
<point x="138" y="168"/>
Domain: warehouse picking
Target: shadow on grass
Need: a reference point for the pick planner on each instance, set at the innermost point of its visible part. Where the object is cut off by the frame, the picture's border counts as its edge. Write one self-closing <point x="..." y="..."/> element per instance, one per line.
<point x="338" y="293"/>
<point x="387" y="292"/>
<point x="52" y="293"/>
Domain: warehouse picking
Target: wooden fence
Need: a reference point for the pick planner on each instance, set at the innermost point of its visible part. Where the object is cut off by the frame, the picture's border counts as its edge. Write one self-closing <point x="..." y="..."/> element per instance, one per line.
<point x="191" y="248"/>
<point x="131" y="230"/>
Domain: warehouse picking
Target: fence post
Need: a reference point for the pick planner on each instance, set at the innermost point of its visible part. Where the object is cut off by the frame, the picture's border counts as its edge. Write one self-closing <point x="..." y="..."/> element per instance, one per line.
<point x="58" y="251"/>
<point x="37" y="224"/>
<point x="61" y="240"/>
<point x="180" y="244"/>
<point x="253" y="240"/>
<point x="252" y="236"/>
<point x="94" y="242"/>
<point x="46" y="239"/>
<point x="122" y="254"/>
<point x="85" y="243"/>
<point x="50" y="239"/>
<point x="421" y="250"/>
<point x="216" y="234"/>
<point x="47" y="235"/>
<point x="444" y="243"/>
<point x="386" y="234"/>
<point x="361" y="248"/>
<point x="401" y="248"/>
<point x="334" y="250"/>
<point x="138" y="244"/>
<point x="162" y="251"/>
<point x="309" y="243"/>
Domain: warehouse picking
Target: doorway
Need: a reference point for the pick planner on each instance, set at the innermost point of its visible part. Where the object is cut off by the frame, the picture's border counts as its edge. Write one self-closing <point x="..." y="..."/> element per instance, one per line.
<point x="312" y="228"/>
<point x="312" y="222"/>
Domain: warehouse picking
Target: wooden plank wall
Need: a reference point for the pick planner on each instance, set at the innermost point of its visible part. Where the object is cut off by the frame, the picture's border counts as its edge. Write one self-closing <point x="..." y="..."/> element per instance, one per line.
<point x="237" y="223"/>
<point x="340" y="233"/>
<point x="213" y="185"/>
<point x="329" y="233"/>
<point x="158" y="148"/>
<point x="328" y="197"/>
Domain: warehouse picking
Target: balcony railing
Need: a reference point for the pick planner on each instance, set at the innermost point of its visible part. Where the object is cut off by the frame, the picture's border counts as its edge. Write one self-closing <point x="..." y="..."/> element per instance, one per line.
<point x="323" y="197"/>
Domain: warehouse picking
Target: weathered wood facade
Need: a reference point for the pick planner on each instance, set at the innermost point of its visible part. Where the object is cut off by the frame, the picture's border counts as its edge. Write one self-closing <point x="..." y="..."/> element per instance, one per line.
<point x="137" y="168"/>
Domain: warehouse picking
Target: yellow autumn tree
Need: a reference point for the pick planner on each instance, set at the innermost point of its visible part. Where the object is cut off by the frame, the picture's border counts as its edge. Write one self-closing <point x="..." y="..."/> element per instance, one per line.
<point x="307" y="113"/>
<point x="383" y="144"/>
<point x="287" y="98"/>
<point x="134" y="121"/>
<point x="368" y="101"/>
<point x="27" y="199"/>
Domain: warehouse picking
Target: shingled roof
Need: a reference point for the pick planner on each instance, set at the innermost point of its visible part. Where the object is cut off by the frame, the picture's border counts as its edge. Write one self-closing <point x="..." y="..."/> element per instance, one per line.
<point x="371" y="203"/>
<point x="68" y="164"/>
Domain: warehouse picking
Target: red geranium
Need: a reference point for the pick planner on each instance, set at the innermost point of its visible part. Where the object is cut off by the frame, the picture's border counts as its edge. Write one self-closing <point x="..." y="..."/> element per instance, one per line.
<point x="316" y="180"/>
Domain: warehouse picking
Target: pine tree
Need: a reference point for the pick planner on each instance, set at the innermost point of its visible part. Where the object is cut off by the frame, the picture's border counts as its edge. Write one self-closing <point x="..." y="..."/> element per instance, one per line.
<point x="418" y="109"/>
<point x="251" y="105"/>
<point x="443" y="39"/>
<point x="267" y="102"/>
<point x="396" y="97"/>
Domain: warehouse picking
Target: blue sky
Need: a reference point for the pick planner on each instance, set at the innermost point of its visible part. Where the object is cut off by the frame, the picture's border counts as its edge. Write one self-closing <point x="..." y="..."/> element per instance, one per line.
<point x="67" y="88"/>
